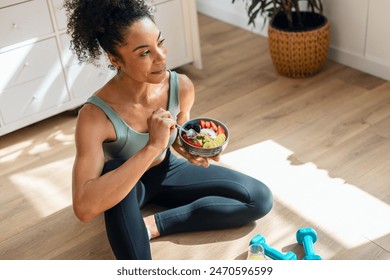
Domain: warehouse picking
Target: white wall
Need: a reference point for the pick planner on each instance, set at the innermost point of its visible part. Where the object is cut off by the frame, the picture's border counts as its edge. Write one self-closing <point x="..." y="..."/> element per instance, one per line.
<point x="360" y="36"/>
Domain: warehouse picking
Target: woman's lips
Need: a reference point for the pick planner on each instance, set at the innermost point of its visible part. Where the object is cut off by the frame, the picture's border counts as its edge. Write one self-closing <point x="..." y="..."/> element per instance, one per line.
<point x="162" y="70"/>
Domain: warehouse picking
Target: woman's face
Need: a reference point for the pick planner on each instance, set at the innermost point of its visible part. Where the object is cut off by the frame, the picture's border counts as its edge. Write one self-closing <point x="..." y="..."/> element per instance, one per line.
<point x="143" y="55"/>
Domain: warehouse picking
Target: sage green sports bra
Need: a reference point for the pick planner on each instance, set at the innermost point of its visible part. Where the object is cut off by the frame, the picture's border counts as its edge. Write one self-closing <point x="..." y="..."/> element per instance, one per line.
<point x="129" y="141"/>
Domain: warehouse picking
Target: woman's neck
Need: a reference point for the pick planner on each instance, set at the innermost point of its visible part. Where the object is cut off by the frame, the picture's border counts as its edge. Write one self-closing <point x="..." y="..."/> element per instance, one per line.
<point x="128" y="90"/>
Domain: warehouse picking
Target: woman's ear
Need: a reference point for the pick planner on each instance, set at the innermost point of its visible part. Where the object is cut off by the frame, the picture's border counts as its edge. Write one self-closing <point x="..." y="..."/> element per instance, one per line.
<point x="114" y="61"/>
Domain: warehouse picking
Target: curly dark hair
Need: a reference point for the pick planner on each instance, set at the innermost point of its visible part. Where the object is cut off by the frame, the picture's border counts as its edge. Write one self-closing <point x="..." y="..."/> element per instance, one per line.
<point x="101" y="24"/>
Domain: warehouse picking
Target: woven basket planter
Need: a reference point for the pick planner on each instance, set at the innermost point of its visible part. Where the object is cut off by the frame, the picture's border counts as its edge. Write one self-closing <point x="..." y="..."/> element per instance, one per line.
<point x="299" y="54"/>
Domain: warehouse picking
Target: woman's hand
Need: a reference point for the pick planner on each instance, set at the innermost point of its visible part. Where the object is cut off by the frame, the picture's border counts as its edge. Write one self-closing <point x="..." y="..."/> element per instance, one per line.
<point x="196" y="160"/>
<point x="160" y="126"/>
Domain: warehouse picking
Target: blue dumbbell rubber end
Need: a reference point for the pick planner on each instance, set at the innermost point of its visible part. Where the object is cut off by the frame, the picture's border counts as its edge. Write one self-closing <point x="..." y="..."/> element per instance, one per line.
<point x="290" y="256"/>
<point x="312" y="258"/>
<point x="302" y="232"/>
<point x="257" y="239"/>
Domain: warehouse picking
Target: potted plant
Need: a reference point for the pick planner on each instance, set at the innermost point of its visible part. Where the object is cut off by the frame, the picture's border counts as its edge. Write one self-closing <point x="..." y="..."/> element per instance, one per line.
<point x="298" y="38"/>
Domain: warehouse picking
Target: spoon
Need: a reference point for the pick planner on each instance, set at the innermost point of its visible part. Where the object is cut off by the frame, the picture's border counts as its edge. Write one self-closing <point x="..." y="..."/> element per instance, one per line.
<point x="191" y="133"/>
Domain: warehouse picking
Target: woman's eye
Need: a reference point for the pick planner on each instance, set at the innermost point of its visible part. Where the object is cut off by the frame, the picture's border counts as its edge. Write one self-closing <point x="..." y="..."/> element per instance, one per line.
<point x="147" y="52"/>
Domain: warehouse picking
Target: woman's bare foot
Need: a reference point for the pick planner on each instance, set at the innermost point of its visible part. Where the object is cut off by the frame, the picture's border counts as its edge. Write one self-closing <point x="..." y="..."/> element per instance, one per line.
<point x="150" y="223"/>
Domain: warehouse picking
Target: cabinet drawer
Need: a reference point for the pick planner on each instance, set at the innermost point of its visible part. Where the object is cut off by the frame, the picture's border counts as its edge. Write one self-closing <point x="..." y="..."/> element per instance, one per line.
<point x="60" y="14"/>
<point x="157" y="2"/>
<point x="70" y="59"/>
<point x="28" y="63"/>
<point x="5" y="3"/>
<point x="85" y="79"/>
<point x="34" y="97"/>
<point x="24" y="21"/>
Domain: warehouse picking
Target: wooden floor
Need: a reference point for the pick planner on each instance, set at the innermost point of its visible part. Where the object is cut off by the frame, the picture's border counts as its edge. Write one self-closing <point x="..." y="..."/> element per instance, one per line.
<point x="321" y="144"/>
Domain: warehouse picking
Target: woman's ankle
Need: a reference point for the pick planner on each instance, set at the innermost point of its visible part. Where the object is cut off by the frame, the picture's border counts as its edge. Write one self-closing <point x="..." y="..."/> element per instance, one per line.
<point x="151" y="227"/>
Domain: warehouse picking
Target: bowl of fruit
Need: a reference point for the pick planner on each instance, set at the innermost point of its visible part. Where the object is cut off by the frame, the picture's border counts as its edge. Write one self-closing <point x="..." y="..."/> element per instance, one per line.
<point x="211" y="137"/>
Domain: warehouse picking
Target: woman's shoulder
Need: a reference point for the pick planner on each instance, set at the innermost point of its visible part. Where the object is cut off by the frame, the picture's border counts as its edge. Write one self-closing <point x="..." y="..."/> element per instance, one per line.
<point x="90" y="111"/>
<point x="186" y="92"/>
<point x="93" y="121"/>
<point x="185" y="83"/>
<point x="90" y="115"/>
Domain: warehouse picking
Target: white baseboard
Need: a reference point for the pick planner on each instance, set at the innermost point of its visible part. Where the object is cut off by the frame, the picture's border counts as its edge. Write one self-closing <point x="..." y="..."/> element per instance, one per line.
<point x="235" y="17"/>
<point x="361" y="63"/>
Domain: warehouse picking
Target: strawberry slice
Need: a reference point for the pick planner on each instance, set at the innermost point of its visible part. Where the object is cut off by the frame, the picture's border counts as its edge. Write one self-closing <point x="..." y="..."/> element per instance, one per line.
<point x="196" y="144"/>
<point x="202" y="123"/>
<point x="185" y="138"/>
<point x="220" y="130"/>
<point x="208" y="124"/>
<point x="213" y="126"/>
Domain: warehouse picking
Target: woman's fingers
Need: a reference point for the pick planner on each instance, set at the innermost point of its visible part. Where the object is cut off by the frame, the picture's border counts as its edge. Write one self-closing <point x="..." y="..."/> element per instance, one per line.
<point x="199" y="161"/>
<point x="161" y="113"/>
<point x="165" y="116"/>
<point x="216" y="158"/>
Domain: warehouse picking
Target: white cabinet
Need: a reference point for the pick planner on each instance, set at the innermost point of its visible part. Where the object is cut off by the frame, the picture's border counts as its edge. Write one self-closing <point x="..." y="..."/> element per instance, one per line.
<point x="173" y="30"/>
<point x="182" y="45"/>
<point x="20" y="22"/>
<point x="378" y="32"/>
<point x="32" y="76"/>
<point x="41" y="77"/>
<point x="360" y="37"/>
<point x="348" y="30"/>
<point x="82" y="81"/>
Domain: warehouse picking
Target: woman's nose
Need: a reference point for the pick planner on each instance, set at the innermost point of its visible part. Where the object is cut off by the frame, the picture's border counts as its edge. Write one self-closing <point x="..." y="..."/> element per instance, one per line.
<point x="161" y="56"/>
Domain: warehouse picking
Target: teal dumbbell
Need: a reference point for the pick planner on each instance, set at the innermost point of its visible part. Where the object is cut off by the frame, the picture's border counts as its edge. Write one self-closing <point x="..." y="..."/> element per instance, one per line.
<point x="307" y="237"/>
<point x="271" y="252"/>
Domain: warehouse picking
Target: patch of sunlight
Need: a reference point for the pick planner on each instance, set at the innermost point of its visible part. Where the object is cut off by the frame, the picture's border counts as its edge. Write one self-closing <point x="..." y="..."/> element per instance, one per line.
<point x="348" y="214"/>
<point x="47" y="83"/>
<point x="12" y="65"/>
<point x="66" y="139"/>
<point x="70" y="60"/>
<point x="11" y="152"/>
<point x="47" y="189"/>
<point x="39" y="148"/>
<point x="76" y="72"/>
<point x="59" y="136"/>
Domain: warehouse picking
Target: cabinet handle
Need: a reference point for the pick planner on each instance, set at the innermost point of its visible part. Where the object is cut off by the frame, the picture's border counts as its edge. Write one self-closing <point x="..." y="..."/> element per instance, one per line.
<point x="26" y="64"/>
<point x="152" y="9"/>
<point x="14" y="26"/>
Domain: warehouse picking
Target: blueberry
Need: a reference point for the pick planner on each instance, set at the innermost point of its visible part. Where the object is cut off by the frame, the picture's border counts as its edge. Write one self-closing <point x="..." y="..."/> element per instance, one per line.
<point x="196" y="127"/>
<point x="188" y="126"/>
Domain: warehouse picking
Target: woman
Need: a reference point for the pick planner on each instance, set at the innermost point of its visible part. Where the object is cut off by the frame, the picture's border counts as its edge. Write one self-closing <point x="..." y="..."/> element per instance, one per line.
<point x="126" y="129"/>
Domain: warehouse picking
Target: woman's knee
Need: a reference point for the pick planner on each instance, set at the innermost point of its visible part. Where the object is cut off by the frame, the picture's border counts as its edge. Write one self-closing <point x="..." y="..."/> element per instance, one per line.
<point x="255" y="193"/>
<point x="261" y="198"/>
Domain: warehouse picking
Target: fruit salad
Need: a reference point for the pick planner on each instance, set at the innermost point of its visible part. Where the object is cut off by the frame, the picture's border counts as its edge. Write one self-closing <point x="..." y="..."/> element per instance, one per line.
<point x="210" y="135"/>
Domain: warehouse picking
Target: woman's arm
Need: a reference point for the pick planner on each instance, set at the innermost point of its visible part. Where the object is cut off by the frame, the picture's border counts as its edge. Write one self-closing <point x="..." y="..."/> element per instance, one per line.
<point x="93" y="193"/>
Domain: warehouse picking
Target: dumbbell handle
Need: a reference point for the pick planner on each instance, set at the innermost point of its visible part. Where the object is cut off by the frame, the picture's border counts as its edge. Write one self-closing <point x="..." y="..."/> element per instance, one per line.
<point x="308" y="245"/>
<point x="276" y="255"/>
<point x="271" y="252"/>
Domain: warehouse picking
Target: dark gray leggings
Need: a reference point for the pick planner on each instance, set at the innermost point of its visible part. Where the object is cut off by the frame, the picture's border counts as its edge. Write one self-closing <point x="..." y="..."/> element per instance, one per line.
<point x="196" y="199"/>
